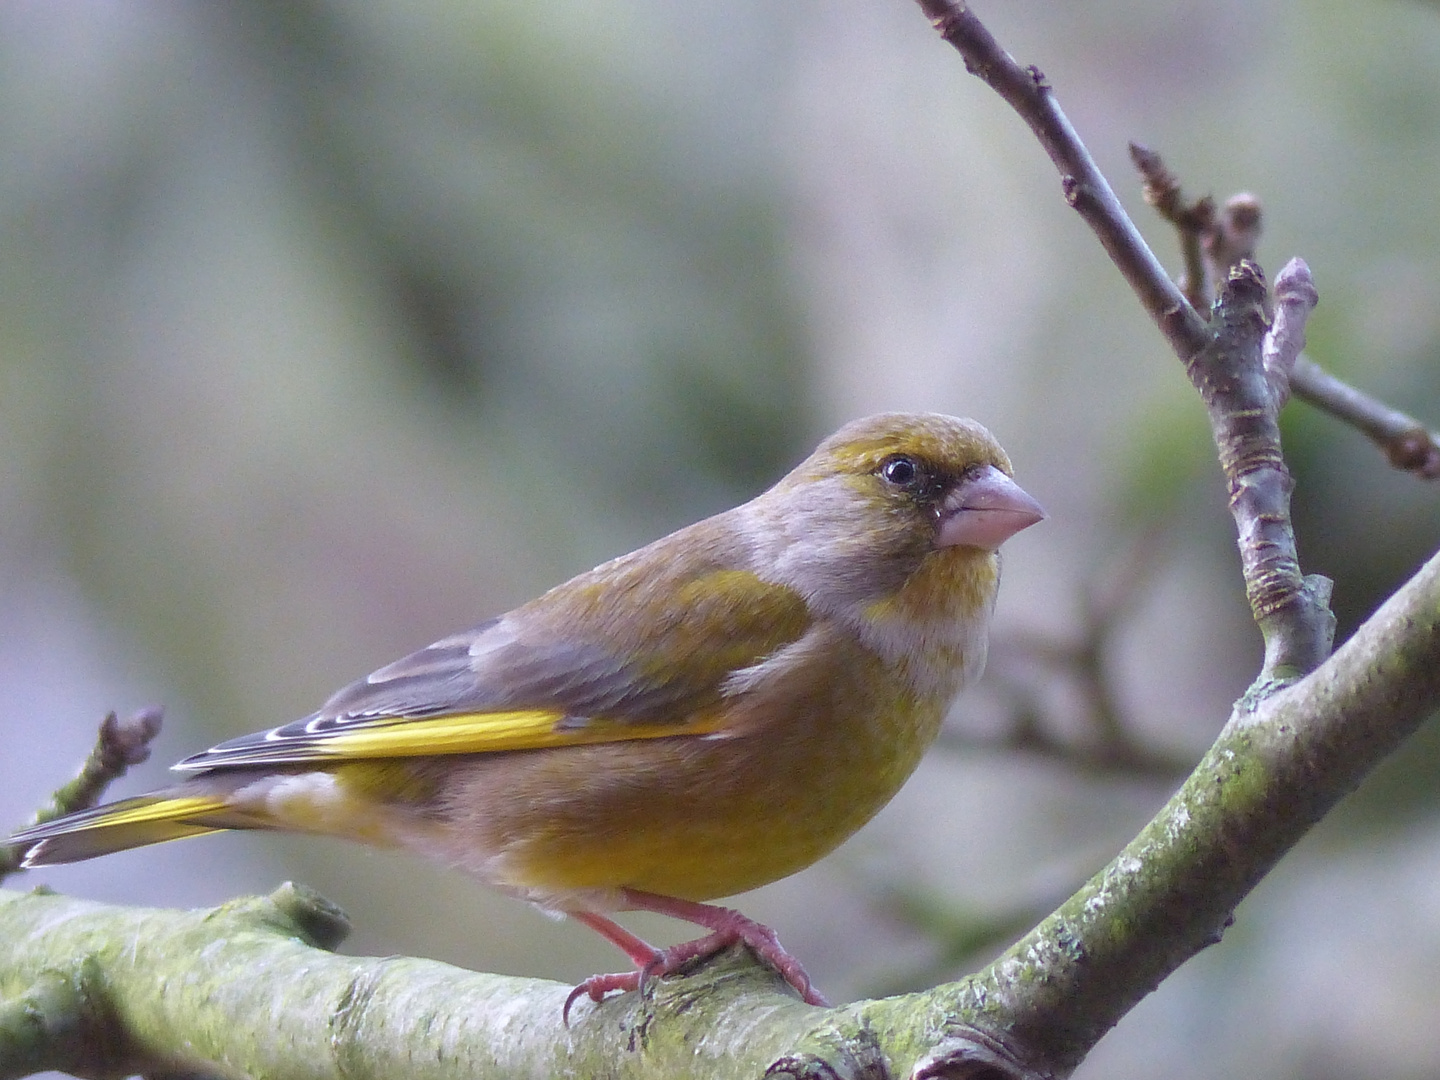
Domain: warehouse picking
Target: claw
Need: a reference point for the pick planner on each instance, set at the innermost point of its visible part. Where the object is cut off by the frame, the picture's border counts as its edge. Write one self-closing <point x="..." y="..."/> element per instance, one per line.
<point x="597" y="986"/>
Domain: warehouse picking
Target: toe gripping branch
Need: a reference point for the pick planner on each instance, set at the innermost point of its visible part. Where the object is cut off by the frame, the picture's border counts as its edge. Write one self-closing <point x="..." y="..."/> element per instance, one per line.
<point x="727" y="927"/>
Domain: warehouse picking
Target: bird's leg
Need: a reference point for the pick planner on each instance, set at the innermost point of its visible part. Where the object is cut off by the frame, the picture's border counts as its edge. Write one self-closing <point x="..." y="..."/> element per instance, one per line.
<point x="638" y="949"/>
<point x="726" y="927"/>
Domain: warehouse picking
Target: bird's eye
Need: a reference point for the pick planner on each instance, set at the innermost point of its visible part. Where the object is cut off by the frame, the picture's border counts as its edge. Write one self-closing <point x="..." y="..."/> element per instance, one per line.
<point x="901" y="471"/>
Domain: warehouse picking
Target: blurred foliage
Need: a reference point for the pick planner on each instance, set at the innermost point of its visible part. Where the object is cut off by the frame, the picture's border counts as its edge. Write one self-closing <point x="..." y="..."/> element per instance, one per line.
<point x="563" y="232"/>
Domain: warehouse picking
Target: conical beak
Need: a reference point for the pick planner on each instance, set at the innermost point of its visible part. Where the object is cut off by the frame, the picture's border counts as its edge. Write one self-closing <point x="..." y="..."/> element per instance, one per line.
<point x="985" y="510"/>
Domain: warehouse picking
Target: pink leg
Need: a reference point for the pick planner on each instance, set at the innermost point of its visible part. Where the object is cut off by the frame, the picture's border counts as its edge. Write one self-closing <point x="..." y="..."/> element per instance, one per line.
<point x="726" y="927"/>
<point x="638" y="949"/>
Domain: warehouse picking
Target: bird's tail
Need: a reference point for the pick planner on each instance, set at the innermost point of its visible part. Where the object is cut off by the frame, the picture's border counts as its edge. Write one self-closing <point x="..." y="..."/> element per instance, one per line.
<point x="130" y="823"/>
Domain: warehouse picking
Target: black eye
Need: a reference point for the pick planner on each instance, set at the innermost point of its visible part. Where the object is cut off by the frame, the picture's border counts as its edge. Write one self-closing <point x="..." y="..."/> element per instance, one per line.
<point x="902" y="471"/>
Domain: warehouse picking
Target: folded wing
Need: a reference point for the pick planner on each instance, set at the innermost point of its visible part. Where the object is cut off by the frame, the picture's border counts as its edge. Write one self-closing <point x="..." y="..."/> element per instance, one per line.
<point x="562" y="670"/>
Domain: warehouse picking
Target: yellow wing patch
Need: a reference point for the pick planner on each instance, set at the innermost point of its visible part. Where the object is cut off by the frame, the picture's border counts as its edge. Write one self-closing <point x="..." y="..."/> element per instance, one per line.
<point x="481" y="733"/>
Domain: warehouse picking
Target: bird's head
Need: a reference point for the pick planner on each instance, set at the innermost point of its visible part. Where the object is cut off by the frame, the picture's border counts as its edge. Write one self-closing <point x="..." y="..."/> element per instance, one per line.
<point x="881" y="498"/>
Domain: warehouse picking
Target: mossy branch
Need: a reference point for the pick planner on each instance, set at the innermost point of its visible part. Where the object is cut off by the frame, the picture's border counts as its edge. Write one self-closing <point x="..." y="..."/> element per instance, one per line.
<point x="249" y="989"/>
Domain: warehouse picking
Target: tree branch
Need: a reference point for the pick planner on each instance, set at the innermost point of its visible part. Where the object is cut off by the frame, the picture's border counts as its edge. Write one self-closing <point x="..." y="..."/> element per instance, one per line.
<point x="1172" y="891"/>
<point x="113" y="991"/>
<point x="1273" y="773"/>
<point x="1193" y="222"/>
<point x="1243" y="378"/>
<point x="1225" y="357"/>
<point x="1406" y="443"/>
<point x="106" y="990"/>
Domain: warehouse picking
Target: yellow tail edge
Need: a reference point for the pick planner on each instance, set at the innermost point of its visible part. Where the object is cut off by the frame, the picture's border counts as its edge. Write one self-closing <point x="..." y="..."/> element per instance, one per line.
<point x="118" y="826"/>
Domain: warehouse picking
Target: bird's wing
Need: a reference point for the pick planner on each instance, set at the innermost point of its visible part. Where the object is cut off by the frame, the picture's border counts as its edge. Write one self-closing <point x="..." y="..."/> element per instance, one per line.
<point x="566" y="669"/>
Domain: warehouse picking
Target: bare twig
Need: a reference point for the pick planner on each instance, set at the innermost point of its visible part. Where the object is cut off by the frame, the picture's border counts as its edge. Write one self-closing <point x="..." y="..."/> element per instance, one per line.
<point x="1242" y="367"/>
<point x="1192" y="220"/>
<point x="118" y="745"/>
<point x="1212" y="241"/>
<point x="1405" y="441"/>
<point x="1223" y="361"/>
<point x="1295" y="297"/>
<point x="1084" y="186"/>
<point x="1212" y="244"/>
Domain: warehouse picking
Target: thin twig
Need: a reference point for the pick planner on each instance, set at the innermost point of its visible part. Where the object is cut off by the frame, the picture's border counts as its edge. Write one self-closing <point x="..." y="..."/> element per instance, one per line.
<point x="1406" y="442"/>
<point x="1240" y="395"/>
<point x="1295" y="297"/>
<point x="1213" y="243"/>
<point x="1061" y="967"/>
<point x="118" y="745"/>
<point x="1084" y="186"/>
<point x="1223" y="362"/>
<point x="1192" y="221"/>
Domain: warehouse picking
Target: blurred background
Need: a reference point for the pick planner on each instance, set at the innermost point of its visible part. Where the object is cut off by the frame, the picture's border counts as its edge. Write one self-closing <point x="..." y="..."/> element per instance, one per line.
<point x="329" y="329"/>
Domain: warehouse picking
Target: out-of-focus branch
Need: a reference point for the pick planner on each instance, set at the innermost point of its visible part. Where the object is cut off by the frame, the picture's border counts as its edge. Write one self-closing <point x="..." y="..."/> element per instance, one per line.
<point x="118" y="745"/>
<point x="1020" y="661"/>
<point x="1119" y="755"/>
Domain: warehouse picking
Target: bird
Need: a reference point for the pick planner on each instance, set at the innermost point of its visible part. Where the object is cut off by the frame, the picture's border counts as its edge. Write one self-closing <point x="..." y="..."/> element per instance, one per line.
<point x="705" y="715"/>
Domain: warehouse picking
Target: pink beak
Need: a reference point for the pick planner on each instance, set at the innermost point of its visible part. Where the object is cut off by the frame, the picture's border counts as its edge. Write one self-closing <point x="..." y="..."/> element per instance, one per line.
<point x="985" y="510"/>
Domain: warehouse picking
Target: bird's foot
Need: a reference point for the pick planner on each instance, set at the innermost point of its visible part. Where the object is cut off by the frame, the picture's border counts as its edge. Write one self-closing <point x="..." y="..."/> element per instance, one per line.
<point x="727" y="930"/>
<point x="726" y="926"/>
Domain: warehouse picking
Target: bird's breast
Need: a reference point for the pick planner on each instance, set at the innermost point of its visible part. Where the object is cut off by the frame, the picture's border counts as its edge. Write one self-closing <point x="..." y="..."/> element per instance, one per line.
<point x="933" y="632"/>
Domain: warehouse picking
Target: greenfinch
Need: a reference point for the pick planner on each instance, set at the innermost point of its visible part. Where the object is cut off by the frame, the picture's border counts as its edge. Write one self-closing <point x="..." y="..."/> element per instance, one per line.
<point x="707" y="714"/>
